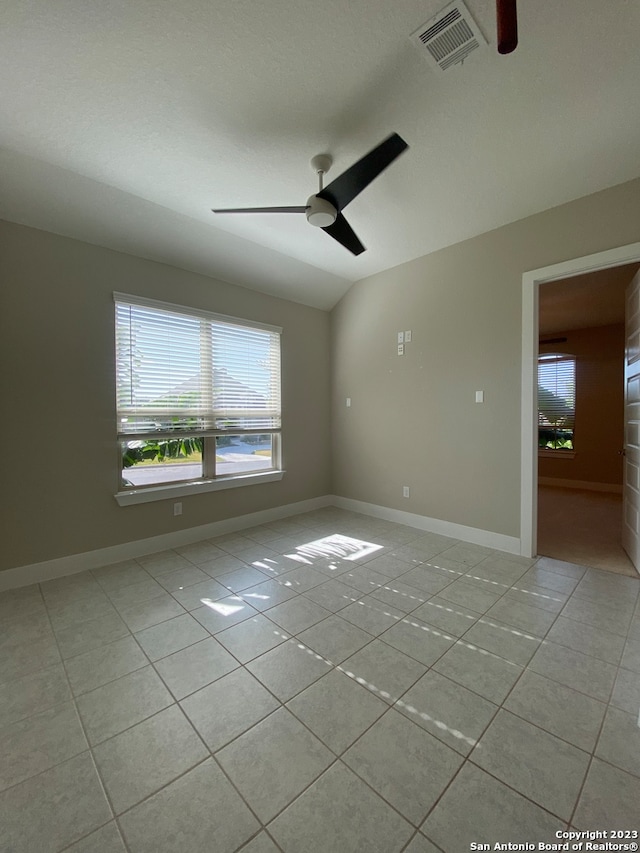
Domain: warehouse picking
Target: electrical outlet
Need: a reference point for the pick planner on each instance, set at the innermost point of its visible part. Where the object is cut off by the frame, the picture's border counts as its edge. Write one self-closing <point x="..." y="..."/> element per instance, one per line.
<point x="400" y="349"/>
<point x="177" y="508"/>
<point x="405" y="491"/>
<point x="407" y="337"/>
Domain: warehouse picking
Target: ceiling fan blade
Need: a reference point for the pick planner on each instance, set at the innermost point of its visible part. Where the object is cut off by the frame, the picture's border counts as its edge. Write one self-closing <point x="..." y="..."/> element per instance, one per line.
<point x="507" y="25"/>
<point x="261" y="210"/>
<point x="344" y="234"/>
<point x="346" y="186"/>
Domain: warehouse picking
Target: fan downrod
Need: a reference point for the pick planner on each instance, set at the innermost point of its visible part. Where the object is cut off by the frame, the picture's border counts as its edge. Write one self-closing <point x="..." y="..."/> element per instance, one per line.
<point x="320" y="212"/>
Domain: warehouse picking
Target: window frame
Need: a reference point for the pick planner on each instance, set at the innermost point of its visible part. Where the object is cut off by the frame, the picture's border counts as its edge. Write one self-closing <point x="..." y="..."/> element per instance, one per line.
<point x="210" y="479"/>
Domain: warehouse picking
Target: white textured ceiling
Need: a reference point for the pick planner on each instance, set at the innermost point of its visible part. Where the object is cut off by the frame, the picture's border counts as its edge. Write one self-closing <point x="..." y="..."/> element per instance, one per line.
<point x="123" y="123"/>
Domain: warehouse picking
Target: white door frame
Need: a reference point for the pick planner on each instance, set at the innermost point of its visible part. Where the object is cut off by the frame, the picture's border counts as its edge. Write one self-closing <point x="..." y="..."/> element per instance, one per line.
<point x="531" y="282"/>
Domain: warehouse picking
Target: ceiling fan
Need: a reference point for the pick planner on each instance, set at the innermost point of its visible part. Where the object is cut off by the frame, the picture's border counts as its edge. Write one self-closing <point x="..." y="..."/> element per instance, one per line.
<point x="324" y="209"/>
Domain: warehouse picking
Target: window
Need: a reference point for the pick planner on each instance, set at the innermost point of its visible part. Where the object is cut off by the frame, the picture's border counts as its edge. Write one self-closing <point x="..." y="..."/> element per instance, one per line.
<point x="556" y="401"/>
<point x="198" y="395"/>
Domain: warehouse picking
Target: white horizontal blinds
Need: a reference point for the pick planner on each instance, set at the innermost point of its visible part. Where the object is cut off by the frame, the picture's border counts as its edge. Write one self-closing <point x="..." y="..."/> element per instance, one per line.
<point x="246" y="377"/>
<point x="157" y="370"/>
<point x="192" y="372"/>
<point x="556" y="391"/>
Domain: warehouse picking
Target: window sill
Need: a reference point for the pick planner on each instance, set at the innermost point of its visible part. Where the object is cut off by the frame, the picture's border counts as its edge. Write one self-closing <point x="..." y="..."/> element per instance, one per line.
<point x="557" y="454"/>
<point x="194" y="487"/>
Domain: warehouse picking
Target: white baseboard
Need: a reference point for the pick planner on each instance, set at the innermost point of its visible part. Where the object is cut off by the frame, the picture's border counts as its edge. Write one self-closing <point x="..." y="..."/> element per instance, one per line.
<point x="614" y="488"/>
<point x="475" y="535"/>
<point x="74" y="563"/>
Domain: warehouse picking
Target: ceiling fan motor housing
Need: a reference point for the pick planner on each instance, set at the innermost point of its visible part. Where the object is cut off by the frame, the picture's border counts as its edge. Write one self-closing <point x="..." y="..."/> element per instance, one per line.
<point x="320" y="212"/>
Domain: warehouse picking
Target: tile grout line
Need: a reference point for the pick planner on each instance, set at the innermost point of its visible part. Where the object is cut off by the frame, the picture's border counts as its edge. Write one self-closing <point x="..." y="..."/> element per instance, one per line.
<point x="467" y="757"/>
<point x="87" y="741"/>
<point x="501" y="707"/>
<point x="115" y="815"/>
<point x="597" y="741"/>
<point x="89" y="834"/>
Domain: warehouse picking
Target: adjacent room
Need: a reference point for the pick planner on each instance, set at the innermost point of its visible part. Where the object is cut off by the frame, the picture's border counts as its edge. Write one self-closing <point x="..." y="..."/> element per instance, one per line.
<point x="321" y="434"/>
<point x="582" y="434"/>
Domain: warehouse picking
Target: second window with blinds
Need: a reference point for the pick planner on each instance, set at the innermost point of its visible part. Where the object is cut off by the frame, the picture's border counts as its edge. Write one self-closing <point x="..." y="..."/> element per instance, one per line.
<point x="556" y="402"/>
<point x="198" y="395"/>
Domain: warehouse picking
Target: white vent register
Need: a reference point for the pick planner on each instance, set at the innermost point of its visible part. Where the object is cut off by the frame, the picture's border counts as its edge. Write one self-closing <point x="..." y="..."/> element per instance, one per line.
<point x="449" y="37"/>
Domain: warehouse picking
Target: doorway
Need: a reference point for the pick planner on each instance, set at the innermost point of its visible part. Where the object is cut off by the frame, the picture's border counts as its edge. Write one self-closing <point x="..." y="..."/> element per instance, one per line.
<point x="581" y="324"/>
<point x="531" y="282"/>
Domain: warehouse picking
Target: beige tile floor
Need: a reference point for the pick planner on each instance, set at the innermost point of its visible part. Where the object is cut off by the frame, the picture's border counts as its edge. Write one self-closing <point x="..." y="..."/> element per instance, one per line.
<point x="331" y="682"/>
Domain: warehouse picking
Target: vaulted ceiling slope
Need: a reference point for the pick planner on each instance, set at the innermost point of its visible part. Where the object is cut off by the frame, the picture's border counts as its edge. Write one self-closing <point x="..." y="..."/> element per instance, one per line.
<point x="124" y="123"/>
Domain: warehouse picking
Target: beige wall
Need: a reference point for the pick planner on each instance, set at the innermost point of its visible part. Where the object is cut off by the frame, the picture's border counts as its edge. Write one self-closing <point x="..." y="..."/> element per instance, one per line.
<point x="59" y="462"/>
<point x="599" y="430"/>
<point x="413" y="419"/>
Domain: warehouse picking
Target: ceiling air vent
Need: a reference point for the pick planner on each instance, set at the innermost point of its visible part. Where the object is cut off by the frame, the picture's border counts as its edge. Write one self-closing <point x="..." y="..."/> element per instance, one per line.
<point x="449" y="37"/>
